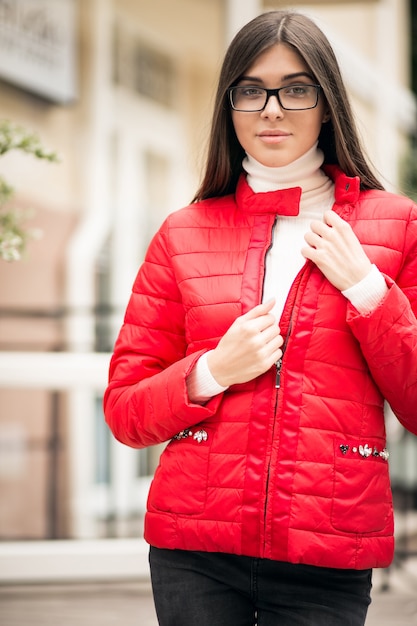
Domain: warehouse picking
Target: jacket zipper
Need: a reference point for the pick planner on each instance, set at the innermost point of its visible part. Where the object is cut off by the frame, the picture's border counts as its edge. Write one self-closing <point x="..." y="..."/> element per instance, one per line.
<point x="269" y="246"/>
<point x="278" y="364"/>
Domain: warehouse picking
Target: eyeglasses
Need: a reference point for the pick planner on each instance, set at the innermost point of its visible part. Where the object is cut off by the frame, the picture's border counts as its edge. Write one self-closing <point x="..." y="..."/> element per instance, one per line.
<point x="250" y="98"/>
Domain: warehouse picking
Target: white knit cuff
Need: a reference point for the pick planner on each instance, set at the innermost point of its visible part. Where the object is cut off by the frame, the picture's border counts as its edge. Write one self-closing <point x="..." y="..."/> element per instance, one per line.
<point x="201" y="384"/>
<point x="367" y="294"/>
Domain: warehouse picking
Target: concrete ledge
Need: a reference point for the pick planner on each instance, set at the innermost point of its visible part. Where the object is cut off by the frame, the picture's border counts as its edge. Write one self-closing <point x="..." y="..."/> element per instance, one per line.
<point x="73" y="560"/>
<point x="54" y="370"/>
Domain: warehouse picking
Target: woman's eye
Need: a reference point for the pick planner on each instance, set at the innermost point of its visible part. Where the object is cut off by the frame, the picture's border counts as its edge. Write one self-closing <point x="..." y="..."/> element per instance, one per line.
<point x="251" y="91"/>
<point x="296" y="90"/>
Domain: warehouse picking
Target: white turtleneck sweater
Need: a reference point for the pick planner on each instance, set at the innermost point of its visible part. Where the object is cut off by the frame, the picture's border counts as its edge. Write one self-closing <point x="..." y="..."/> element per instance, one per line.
<point x="284" y="259"/>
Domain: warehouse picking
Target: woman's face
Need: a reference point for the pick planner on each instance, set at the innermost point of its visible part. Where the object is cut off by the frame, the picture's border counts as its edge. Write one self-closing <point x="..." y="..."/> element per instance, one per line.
<point x="274" y="136"/>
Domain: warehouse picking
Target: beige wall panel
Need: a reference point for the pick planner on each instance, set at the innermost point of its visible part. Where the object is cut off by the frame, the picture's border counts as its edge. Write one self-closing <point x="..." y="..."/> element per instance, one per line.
<point x="188" y="28"/>
<point x="37" y="280"/>
<point x="24" y="464"/>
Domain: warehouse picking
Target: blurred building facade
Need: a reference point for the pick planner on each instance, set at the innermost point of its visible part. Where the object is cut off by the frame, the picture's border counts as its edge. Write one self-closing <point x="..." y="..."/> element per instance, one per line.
<point x="130" y="122"/>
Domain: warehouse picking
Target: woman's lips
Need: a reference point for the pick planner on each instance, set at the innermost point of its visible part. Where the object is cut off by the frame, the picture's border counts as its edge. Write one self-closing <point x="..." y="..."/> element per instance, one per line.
<point x="273" y="136"/>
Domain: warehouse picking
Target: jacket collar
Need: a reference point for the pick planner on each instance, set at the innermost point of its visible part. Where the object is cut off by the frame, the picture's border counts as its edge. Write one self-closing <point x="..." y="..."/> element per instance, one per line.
<point x="346" y="188"/>
<point x="287" y="201"/>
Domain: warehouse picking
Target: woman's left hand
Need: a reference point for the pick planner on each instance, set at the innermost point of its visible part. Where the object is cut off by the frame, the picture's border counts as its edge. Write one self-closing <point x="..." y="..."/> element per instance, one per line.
<point x="337" y="252"/>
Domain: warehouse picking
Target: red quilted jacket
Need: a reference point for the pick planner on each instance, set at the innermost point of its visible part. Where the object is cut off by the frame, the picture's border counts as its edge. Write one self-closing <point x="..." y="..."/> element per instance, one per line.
<point x="297" y="473"/>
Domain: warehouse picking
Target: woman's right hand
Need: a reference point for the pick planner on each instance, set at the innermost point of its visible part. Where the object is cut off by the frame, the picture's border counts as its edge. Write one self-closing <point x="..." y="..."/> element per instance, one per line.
<point x="249" y="348"/>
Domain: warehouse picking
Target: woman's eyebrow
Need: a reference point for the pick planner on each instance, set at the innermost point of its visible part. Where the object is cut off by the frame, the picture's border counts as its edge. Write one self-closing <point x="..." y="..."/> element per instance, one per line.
<point x="298" y="75"/>
<point x="256" y="79"/>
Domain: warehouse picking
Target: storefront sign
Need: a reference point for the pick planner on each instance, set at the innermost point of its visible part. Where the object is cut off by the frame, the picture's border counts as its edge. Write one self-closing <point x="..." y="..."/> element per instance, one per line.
<point x="38" y="47"/>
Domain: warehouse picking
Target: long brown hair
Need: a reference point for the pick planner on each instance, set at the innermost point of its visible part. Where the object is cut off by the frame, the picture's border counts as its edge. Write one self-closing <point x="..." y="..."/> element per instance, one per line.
<point x="338" y="138"/>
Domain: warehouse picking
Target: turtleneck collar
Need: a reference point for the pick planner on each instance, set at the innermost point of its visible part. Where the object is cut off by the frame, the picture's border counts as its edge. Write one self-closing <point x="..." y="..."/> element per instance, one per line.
<point x="306" y="185"/>
<point x="304" y="172"/>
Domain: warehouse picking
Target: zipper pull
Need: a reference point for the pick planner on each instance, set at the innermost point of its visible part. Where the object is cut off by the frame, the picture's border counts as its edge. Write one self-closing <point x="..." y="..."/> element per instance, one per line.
<point x="278" y="365"/>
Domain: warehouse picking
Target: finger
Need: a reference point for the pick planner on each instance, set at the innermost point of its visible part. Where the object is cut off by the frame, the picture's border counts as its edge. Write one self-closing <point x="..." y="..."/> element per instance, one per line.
<point x="319" y="228"/>
<point x="259" y="310"/>
<point x="333" y="219"/>
<point x="329" y="231"/>
<point x="271" y="333"/>
<point x="312" y="239"/>
<point x="258" y="326"/>
<point x="267" y="352"/>
<point x="336" y="225"/>
<point x="275" y="343"/>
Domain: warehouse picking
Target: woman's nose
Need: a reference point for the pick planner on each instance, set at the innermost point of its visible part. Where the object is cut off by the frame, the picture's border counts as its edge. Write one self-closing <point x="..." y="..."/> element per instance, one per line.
<point x="272" y="108"/>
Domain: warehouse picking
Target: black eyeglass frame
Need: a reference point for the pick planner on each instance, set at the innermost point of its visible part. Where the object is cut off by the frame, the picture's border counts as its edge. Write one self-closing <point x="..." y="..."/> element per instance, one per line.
<point x="273" y="92"/>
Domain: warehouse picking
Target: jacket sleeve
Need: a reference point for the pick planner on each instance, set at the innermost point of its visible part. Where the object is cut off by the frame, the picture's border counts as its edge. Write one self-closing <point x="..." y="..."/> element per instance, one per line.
<point x="146" y="400"/>
<point x="388" y="335"/>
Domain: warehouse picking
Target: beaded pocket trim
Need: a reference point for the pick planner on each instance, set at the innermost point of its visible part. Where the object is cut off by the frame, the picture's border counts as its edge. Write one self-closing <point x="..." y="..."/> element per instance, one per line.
<point x="364" y="451"/>
<point x="199" y="435"/>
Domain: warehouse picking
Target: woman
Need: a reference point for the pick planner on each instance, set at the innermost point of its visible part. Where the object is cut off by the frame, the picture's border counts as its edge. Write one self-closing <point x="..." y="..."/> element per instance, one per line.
<point x="268" y="323"/>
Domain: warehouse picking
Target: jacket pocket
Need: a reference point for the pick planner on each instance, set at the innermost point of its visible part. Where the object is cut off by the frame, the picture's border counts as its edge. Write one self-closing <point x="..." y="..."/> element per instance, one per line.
<point x="181" y="478"/>
<point x="362" y="500"/>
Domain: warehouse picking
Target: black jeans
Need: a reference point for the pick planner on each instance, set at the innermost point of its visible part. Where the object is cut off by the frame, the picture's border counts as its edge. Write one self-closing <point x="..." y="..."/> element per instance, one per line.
<point x="212" y="589"/>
